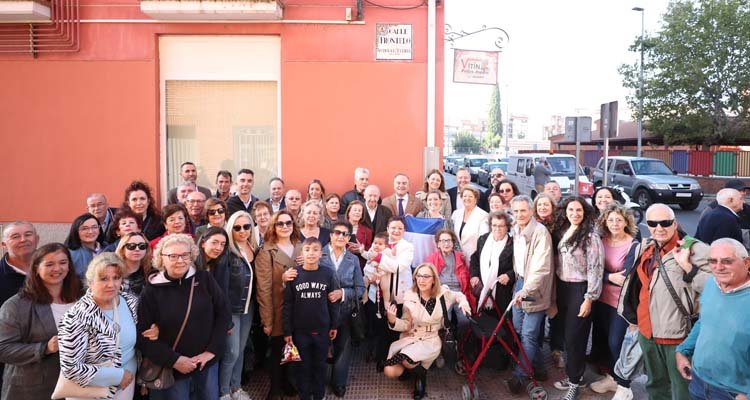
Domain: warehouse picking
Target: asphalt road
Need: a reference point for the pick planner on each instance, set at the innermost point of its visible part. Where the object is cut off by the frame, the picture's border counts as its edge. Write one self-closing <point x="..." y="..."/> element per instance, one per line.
<point x="688" y="220"/>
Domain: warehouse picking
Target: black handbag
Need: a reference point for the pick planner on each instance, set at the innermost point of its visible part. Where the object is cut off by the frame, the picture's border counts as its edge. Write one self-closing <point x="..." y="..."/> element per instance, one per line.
<point x="357" y="322"/>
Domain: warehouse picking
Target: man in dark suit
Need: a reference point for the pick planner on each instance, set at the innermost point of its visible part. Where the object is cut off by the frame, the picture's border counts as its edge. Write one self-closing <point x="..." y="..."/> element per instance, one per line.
<point x="376" y="216"/>
<point x="244" y="199"/>
<point x="401" y="202"/>
<point x="744" y="214"/>
<point x="463" y="179"/>
<point x="723" y="221"/>
<point x="276" y="187"/>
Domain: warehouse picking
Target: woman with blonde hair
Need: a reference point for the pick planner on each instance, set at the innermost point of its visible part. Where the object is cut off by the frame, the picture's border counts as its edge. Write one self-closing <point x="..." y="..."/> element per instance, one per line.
<point x="310" y="223"/>
<point x="419" y="344"/>
<point x="134" y="251"/>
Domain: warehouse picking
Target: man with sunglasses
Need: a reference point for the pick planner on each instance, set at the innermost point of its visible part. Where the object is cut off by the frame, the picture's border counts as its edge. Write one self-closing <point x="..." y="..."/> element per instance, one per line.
<point x="660" y="297"/>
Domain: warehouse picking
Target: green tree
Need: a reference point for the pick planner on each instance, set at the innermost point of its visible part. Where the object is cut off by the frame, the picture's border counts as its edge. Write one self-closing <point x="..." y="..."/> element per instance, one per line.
<point x="467" y="143"/>
<point x="696" y="79"/>
<point x="494" y="121"/>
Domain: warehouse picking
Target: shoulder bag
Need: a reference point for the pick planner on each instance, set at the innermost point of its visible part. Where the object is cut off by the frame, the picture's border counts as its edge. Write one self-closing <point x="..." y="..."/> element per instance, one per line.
<point x="158" y="377"/>
<point x="689" y="317"/>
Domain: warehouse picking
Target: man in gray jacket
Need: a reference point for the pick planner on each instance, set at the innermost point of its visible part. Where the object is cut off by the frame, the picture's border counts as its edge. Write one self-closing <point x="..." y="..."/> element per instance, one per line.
<point x="532" y="263"/>
<point x="542" y="172"/>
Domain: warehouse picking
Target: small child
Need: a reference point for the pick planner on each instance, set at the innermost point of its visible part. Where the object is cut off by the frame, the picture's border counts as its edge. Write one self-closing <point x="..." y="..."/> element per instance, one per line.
<point x="310" y="319"/>
<point x="380" y="288"/>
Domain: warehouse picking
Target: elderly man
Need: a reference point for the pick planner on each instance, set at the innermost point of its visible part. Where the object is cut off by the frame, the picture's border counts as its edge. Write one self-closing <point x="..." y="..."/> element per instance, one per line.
<point x="96" y="205"/>
<point x="724" y="220"/>
<point x="401" y="202"/>
<point x="376" y="215"/>
<point x="196" y="204"/>
<point x="244" y="199"/>
<point x="744" y="214"/>
<point x="463" y="178"/>
<point x="276" y="187"/>
<point x="188" y="173"/>
<point x="183" y="190"/>
<point x="714" y="356"/>
<point x="532" y="252"/>
<point x="659" y="297"/>
<point x="552" y="188"/>
<point x="361" y="179"/>
<point x="293" y="201"/>
<point x="223" y="185"/>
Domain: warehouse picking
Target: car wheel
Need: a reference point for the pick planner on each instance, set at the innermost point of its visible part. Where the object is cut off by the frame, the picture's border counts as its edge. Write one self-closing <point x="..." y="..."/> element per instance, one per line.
<point x="690" y="206"/>
<point x="642" y="198"/>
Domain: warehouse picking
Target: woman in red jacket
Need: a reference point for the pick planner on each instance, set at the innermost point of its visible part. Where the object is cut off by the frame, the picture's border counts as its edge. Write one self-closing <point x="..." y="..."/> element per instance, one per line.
<point x="451" y="265"/>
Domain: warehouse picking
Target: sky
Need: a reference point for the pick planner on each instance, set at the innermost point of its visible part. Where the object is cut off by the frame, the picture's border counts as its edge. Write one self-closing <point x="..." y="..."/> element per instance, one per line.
<point x="561" y="59"/>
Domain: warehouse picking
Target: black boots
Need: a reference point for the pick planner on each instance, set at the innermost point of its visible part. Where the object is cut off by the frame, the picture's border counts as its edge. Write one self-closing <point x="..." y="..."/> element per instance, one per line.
<point x="420" y="382"/>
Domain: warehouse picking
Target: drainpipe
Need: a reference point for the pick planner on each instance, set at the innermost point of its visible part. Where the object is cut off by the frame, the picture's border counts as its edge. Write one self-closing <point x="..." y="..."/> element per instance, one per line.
<point x="431" y="153"/>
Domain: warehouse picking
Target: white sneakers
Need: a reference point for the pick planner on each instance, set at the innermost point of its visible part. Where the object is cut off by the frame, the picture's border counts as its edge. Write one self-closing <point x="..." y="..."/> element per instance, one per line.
<point x="623" y="393"/>
<point x="607" y="384"/>
<point x="240" y="394"/>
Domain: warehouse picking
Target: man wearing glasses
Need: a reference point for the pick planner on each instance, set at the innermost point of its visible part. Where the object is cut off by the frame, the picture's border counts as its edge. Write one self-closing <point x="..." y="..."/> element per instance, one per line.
<point x="661" y="296"/>
<point x="496" y="176"/>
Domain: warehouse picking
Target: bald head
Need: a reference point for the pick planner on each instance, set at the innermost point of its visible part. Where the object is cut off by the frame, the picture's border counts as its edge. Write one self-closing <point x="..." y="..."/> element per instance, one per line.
<point x="372" y="196"/>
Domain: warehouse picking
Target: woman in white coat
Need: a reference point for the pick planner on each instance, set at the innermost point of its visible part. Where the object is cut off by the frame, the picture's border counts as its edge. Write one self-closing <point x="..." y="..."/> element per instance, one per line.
<point x="469" y="222"/>
<point x="422" y="318"/>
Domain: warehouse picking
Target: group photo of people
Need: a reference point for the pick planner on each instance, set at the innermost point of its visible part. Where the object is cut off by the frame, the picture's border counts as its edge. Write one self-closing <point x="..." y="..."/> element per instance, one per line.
<point x="192" y="299"/>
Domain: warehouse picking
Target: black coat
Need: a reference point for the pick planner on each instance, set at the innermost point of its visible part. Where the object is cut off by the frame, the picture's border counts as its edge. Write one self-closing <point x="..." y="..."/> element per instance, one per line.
<point x="234" y="204"/>
<point x="503" y="293"/>
<point x="380" y="224"/>
<point x="483" y="201"/>
<point x="10" y="280"/>
<point x="718" y="223"/>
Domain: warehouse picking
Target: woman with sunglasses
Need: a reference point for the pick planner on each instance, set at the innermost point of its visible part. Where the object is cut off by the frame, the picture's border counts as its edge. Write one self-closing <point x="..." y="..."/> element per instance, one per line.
<point x="278" y="254"/>
<point x="310" y="225"/>
<point x="135" y="252"/>
<point x="419" y="344"/>
<point x="241" y="301"/>
<point x="81" y="242"/>
<point x="216" y="215"/>
<point x="580" y="267"/>
<point x="138" y="198"/>
<point x="434" y="181"/>
<point x="507" y="190"/>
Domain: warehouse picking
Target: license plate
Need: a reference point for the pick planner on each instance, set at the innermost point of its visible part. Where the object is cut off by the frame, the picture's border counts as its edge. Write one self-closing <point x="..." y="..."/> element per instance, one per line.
<point x="683" y="194"/>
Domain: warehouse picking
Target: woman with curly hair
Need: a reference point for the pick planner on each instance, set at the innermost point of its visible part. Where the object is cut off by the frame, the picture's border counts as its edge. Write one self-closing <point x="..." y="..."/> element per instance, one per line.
<point x="139" y="199"/>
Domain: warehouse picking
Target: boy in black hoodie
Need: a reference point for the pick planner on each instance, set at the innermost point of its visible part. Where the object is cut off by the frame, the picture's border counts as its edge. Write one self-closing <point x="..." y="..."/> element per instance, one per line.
<point x="311" y="319"/>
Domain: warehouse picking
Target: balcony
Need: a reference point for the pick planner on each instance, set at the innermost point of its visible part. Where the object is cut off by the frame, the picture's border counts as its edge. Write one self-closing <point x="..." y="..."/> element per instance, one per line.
<point x="212" y="9"/>
<point x="15" y="11"/>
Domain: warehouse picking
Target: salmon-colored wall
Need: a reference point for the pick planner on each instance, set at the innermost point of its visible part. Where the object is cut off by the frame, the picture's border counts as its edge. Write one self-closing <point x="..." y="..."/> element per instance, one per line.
<point x="89" y="121"/>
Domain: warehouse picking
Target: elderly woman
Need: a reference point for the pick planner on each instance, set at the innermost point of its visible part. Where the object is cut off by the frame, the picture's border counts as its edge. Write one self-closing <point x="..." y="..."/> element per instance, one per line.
<point x="216" y="214"/>
<point x="278" y="254"/>
<point x="469" y="222"/>
<point x="332" y="205"/>
<point x="98" y="334"/>
<point x="28" y="324"/>
<point x="262" y="212"/>
<point x="579" y="283"/>
<point x="310" y="224"/>
<point x="176" y="221"/>
<point x="434" y="208"/>
<point x="495" y="202"/>
<point x="434" y="182"/>
<point x="240" y="296"/>
<point x="124" y="222"/>
<point x="621" y="250"/>
<point x="138" y="198"/>
<point x="544" y="210"/>
<point x="419" y="344"/>
<point x="349" y="274"/>
<point x="135" y="253"/>
<point x="81" y="242"/>
<point x="179" y="299"/>
<point x="361" y="234"/>
<point x="451" y="265"/>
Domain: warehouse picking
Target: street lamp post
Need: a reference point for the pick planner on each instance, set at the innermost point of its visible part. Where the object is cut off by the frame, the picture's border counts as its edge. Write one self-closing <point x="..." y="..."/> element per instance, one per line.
<point x="640" y="90"/>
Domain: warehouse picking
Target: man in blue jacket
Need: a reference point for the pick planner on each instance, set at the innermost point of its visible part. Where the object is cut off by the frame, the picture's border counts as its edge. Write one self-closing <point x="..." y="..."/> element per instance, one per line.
<point x="723" y="221"/>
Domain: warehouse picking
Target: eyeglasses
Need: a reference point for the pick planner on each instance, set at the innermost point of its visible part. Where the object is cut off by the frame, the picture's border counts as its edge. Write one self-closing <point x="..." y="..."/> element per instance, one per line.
<point x="175" y="257"/>
<point x="666" y="223"/>
<point x="88" y="228"/>
<point x="445" y="241"/>
<point x="421" y="276"/>
<point x="505" y="191"/>
<point x="139" y="246"/>
<point x="245" y="227"/>
<point x="282" y="224"/>
<point x="194" y="201"/>
<point x="498" y="175"/>
<point x="216" y="211"/>
<point x="498" y="226"/>
<point x="723" y="261"/>
<point x="337" y="232"/>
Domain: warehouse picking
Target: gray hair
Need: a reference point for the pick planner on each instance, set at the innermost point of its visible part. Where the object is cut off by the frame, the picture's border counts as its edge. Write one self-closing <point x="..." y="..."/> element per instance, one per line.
<point x="739" y="249"/>
<point x="664" y="207"/>
<point x="374" y="187"/>
<point x="187" y="183"/>
<point x="15" y="224"/>
<point x="175" y="238"/>
<point x="100" y="262"/>
<point x="90" y="195"/>
<point x="361" y="170"/>
<point x="522" y="198"/>
<point x="724" y="196"/>
<point x="305" y="206"/>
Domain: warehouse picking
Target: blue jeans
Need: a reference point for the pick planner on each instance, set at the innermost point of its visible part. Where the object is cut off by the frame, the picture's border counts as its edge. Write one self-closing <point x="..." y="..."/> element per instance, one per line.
<point x="230" y="373"/>
<point x="700" y="390"/>
<point x="630" y="361"/>
<point x="311" y="371"/>
<point x="608" y="329"/>
<point x="205" y="386"/>
<point x="342" y="353"/>
<point x="528" y="326"/>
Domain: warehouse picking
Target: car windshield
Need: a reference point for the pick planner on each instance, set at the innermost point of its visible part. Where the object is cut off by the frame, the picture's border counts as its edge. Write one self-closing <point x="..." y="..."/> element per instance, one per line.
<point x="651" y="167"/>
<point x="477" y="162"/>
<point x="562" y="165"/>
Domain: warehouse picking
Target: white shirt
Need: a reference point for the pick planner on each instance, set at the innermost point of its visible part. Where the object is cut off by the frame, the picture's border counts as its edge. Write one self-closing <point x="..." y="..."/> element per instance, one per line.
<point x="20" y="271"/>
<point x="519" y="251"/>
<point x="459" y="201"/>
<point x="276" y="206"/>
<point x="58" y="310"/>
<point x="337" y="264"/>
<point x="371" y="212"/>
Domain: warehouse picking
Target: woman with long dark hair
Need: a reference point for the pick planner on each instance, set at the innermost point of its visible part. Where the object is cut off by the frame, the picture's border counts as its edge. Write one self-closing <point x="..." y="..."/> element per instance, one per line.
<point x="81" y="242"/>
<point x="579" y="284"/>
<point x="139" y="199"/>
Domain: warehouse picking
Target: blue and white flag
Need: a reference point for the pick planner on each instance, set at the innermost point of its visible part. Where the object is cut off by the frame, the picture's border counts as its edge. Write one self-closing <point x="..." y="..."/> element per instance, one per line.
<point x="421" y="233"/>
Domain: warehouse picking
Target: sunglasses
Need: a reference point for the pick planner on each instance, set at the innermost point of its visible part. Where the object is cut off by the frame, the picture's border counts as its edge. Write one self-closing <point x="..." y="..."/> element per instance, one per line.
<point x="282" y="224"/>
<point x="245" y="227"/>
<point x="216" y="211"/>
<point x="339" y="233"/>
<point x="505" y="191"/>
<point x="498" y="175"/>
<point x="664" y="223"/>
<point x="139" y="246"/>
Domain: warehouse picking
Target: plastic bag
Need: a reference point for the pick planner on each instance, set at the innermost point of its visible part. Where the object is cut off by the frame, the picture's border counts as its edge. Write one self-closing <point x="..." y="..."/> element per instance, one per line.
<point x="290" y="354"/>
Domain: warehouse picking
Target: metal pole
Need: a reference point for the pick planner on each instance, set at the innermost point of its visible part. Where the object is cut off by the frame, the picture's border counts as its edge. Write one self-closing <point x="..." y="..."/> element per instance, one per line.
<point x="640" y="90"/>
<point x="578" y="154"/>
<point x="606" y="159"/>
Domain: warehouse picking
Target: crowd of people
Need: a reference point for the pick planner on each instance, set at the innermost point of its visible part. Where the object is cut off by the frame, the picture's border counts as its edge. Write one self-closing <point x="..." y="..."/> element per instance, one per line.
<point x="184" y="301"/>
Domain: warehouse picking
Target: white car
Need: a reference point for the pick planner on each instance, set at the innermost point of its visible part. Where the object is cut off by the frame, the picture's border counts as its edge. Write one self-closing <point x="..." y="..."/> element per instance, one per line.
<point x="521" y="172"/>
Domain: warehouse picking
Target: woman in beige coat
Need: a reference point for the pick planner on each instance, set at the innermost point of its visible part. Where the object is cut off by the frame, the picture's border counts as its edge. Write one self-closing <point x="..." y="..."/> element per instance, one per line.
<point x="419" y="324"/>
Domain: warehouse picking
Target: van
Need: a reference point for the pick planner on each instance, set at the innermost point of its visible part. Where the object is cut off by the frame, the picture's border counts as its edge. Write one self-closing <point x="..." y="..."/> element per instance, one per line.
<point x="521" y="172"/>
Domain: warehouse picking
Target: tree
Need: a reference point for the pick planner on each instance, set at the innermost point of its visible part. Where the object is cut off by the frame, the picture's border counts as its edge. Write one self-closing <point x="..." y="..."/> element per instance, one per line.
<point x="467" y="143"/>
<point x="494" y="121"/>
<point x="696" y="80"/>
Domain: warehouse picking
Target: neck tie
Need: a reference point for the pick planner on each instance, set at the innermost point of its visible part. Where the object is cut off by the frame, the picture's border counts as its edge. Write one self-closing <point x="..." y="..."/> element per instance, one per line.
<point x="400" y="207"/>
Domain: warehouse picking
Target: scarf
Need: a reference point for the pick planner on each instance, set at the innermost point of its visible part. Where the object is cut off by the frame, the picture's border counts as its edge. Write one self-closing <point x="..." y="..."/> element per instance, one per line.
<point x="489" y="265"/>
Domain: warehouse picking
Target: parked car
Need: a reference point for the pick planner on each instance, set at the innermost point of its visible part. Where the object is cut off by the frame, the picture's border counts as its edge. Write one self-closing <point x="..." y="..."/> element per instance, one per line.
<point x="484" y="178"/>
<point x="521" y="172"/>
<point x="457" y="163"/>
<point x="474" y="163"/>
<point x="449" y="162"/>
<point x="648" y="181"/>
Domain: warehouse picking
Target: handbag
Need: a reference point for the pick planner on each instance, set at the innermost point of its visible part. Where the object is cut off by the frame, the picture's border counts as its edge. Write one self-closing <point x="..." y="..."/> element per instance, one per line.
<point x="155" y="376"/>
<point x="68" y="388"/>
<point x="357" y="322"/>
<point x="689" y="317"/>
